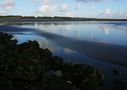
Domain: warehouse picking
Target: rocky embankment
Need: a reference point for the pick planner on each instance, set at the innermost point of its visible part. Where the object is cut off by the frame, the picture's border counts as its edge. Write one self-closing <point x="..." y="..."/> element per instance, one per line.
<point x="26" y="66"/>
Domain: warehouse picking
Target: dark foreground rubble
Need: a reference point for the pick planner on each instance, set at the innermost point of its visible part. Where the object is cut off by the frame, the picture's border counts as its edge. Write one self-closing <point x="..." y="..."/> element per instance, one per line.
<point x="26" y="66"/>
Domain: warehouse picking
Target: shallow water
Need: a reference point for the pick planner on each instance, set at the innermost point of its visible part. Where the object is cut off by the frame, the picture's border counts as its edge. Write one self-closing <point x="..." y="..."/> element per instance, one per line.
<point x="100" y="44"/>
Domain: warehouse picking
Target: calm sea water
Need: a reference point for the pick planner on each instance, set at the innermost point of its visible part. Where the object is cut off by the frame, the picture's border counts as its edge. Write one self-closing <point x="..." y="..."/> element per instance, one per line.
<point x="102" y="45"/>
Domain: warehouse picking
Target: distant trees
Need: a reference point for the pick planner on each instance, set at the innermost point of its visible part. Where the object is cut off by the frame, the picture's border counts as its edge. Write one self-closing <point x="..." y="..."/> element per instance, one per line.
<point x="55" y="18"/>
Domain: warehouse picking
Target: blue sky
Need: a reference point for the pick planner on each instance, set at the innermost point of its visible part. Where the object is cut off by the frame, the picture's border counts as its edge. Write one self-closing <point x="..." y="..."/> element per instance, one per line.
<point x="72" y="8"/>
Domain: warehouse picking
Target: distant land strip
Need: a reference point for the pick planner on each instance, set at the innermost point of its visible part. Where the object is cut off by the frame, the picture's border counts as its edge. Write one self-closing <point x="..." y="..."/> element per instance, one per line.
<point x="55" y="18"/>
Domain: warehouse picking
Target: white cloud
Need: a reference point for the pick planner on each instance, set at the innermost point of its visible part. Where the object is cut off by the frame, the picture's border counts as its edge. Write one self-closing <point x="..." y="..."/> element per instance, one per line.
<point x="107" y="12"/>
<point x="70" y="14"/>
<point x="46" y="1"/>
<point x="77" y="7"/>
<point x="52" y="10"/>
<point x="43" y="1"/>
<point x="89" y="0"/>
<point x="2" y="12"/>
<point x="47" y="9"/>
<point x="122" y="14"/>
<point x="64" y="8"/>
<point x="6" y="6"/>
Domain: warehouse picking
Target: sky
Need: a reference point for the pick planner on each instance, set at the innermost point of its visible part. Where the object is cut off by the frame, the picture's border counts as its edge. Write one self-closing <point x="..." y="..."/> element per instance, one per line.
<point x="71" y="8"/>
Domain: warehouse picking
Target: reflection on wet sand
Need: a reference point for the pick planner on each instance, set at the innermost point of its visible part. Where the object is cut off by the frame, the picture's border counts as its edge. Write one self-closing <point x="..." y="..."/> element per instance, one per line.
<point x="106" y="29"/>
<point x="99" y="50"/>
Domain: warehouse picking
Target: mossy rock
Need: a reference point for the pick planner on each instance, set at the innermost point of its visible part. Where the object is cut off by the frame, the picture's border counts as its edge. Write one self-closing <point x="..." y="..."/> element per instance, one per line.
<point x="55" y="83"/>
<point x="78" y="73"/>
<point x="25" y="67"/>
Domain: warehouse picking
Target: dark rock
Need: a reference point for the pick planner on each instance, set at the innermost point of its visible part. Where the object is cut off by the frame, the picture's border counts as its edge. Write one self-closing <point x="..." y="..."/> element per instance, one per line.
<point x="54" y="83"/>
<point x="116" y="72"/>
<point x="119" y="85"/>
<point x="28" y="67"/>
<point x="78" y="73"/>
<point x="89" y="85"/>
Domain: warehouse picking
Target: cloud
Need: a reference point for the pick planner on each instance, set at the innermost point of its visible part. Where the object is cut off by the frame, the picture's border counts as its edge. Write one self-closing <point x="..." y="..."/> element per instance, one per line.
<point x="121" y="14"/>
<point x="53" y="10"/>
<point x="43" y="1"/>
<point x="46" y="1"/>
<point x="70" y="14"/>
<point x="77" y="7"/>
<point x="47" y="9"/>
<point x="6" y="6"/>
<point x="64" y="8"/>
<point x="89" y="1"/>
<point x="2" y="12"/>
<point x="107" y="12"/>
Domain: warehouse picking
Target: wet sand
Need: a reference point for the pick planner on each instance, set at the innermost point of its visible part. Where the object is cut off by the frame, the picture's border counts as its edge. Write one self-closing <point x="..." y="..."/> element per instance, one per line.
<point x="109" y="53"/>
